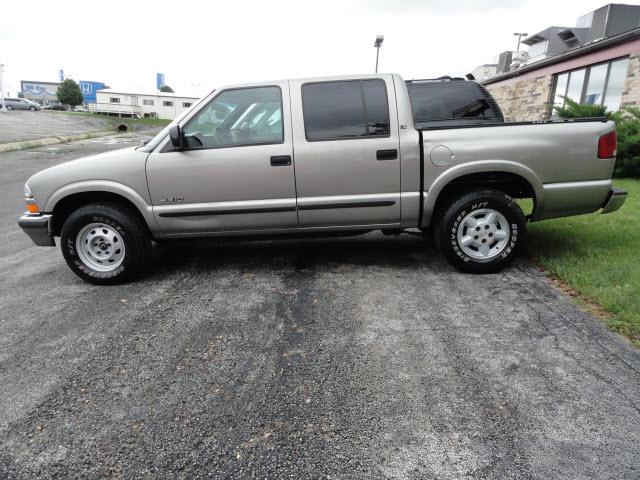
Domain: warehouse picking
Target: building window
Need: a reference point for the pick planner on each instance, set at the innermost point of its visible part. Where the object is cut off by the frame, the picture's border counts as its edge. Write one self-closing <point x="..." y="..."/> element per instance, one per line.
<point x="166" y="103"/>
<point x="599" y="84"/>
<point x="147" y="102"/>
<point x="186" y="104"/>
<point x="114" y="99"/>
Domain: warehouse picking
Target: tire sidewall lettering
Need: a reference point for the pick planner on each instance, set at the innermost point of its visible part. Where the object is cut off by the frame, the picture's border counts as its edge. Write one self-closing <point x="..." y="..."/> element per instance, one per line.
<point x="70" y="247"/>
<point x="475" y="205"/>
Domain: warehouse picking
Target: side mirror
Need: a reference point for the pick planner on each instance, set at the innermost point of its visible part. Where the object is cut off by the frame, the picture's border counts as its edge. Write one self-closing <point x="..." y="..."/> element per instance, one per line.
<point x="176" y="137"/>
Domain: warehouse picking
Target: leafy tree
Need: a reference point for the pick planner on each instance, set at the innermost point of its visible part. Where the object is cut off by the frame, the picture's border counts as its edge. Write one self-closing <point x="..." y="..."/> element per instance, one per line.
<point x="627" y="128"/>
<point x="69" y="93"/>
<point x="166" y="88"/>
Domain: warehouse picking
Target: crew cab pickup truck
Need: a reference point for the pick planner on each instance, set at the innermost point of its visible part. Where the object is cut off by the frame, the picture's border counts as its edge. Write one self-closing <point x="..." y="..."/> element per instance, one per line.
<point x="332" y="155"/>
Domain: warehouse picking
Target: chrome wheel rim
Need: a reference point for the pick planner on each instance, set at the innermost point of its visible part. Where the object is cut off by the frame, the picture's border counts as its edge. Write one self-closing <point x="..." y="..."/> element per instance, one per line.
<point x="100" y="247"/>
<point x="483" y="234"/>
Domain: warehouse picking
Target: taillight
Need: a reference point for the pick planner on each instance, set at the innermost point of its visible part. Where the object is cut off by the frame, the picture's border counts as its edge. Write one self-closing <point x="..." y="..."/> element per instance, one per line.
<point x="607" y="145"/>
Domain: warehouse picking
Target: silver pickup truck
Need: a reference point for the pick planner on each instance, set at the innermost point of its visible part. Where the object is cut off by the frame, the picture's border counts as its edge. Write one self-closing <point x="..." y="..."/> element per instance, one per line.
<point x="331" y="155"/>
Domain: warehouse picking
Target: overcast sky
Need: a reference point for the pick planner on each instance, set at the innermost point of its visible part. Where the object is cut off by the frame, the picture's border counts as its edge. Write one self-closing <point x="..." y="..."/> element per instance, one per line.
<point x="200" y="45"/>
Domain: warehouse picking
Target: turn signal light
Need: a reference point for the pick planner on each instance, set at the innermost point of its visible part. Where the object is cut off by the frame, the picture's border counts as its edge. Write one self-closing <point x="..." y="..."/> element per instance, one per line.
<point x="607" y="145"/>
<point x="32" y="208"/>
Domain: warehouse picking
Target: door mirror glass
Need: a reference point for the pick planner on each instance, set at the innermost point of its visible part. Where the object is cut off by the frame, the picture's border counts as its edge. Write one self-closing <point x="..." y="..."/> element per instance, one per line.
<point x="175" y="135"/>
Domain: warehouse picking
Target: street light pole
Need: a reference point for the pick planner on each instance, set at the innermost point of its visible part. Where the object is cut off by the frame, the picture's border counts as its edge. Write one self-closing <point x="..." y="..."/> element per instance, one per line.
<point x="377" y="44"/>
<point x="519" y="35"/>
<point x="2" y="106"/>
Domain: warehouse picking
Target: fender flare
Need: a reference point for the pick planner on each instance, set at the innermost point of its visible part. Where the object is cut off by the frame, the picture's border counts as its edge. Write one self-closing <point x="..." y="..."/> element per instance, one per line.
<point x="483" y="166"/>
<point x="117" y="188"/>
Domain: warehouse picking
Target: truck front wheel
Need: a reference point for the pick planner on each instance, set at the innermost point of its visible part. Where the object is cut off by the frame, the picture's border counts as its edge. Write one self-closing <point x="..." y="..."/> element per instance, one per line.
<point x="105" y="243"/>
<point x="481" y="231"/>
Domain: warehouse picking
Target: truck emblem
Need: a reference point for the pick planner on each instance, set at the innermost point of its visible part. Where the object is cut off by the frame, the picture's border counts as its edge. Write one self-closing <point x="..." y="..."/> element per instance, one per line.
<point x="171" y="200"/>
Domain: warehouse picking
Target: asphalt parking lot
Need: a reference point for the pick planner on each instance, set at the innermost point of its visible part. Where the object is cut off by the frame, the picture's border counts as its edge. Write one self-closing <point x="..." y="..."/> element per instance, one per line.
<point x="18" y="125"/>
<point x="360" y="357"/>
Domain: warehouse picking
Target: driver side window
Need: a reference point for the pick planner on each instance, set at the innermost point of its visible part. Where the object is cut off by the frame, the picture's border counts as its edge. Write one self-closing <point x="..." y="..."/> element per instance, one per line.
<point x="245" y="116"/>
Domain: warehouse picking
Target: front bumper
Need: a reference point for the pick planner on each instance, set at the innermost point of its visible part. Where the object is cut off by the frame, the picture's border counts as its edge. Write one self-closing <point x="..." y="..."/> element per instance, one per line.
<point x="38" y="227"/>
<point x="615" y="200"/>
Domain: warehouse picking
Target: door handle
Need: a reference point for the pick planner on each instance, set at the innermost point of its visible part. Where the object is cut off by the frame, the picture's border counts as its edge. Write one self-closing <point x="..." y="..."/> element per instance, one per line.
<point x="387" y="154"/>
<point x="281" y="160"/>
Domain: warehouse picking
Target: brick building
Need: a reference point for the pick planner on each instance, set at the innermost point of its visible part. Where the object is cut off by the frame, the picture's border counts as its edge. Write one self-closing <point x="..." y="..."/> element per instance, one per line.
<point x="598" y="63"/>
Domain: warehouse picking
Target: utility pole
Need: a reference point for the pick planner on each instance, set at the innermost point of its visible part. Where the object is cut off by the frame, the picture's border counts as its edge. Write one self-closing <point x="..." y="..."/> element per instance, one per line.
<point x="2" y="108"/>
<point x="519" y="35"/>
<point x="377" y="44"/>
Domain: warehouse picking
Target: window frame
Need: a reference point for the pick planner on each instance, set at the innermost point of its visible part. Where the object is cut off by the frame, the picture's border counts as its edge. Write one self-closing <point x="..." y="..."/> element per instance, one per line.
<point x="167" y="103"/>
<point x="585" y="84"/>
<point x="204" y="107"/>
<point x="364" y="108"/>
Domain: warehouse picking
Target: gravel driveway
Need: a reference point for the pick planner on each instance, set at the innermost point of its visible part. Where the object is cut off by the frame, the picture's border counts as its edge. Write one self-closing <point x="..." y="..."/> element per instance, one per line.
<point x="360" y="357"/>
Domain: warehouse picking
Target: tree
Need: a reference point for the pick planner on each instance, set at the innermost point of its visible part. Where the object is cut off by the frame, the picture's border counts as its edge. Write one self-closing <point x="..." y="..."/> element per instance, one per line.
<point x="166" y="88"/>
<point x="69" y="93"/>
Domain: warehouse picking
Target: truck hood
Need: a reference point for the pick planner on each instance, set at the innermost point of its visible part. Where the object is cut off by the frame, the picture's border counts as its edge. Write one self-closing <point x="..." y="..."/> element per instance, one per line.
<point x="125" y="167"/>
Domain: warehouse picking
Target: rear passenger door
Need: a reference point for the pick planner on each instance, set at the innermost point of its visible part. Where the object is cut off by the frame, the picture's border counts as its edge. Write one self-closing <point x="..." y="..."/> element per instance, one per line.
<point x="347" y="158"/>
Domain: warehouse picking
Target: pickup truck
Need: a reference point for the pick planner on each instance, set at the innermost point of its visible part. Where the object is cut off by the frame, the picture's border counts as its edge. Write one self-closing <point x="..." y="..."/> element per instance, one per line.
<point x="338" y="155"/>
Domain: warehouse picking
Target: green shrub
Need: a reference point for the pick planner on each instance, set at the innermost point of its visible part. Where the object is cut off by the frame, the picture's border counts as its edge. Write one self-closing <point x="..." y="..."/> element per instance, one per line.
<point x="627" y="127"/>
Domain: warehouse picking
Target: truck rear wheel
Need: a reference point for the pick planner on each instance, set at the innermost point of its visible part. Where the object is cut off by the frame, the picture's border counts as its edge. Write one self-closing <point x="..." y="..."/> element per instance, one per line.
<point x="481" y="231"/>
<point x="105" y="244"/>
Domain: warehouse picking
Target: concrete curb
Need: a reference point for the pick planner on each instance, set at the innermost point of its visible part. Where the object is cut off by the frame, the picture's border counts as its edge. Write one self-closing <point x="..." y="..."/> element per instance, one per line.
<point x="40" y="142"/>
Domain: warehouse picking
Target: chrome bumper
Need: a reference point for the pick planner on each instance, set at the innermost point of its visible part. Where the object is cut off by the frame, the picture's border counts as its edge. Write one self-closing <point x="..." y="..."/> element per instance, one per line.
<point x="615" y="200"/>
<point x="38" y="228"/>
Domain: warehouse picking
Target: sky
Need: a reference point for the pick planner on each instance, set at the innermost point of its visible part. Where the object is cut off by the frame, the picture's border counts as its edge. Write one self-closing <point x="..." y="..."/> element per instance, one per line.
<point x="202" y="45"/>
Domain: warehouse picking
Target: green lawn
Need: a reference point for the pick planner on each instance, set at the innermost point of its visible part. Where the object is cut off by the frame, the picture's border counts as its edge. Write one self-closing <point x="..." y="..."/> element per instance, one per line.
<point x="599" y="257"/>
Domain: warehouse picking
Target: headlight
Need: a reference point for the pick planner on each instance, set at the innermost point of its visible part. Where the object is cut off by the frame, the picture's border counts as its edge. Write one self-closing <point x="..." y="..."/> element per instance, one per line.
<point x="27" y="192"/>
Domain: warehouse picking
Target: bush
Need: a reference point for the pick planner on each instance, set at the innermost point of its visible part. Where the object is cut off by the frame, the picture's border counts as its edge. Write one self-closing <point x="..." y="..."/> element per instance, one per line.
<point x="628" y="159"/>
<point x="627" y="127"/>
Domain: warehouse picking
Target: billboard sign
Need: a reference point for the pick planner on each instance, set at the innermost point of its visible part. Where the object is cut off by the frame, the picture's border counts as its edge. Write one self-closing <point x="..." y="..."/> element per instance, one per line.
<point x="159" y="80"/>
<point x="41" y="89"/>
<point x="89" y="90"/>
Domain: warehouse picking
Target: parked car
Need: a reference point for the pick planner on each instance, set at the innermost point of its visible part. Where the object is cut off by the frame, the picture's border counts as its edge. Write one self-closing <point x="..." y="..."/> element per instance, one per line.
<point x="327" y="156"/>
<point x="59" y="107"/>
<point x="80" y="108"/>
<point x="21" y="104"/>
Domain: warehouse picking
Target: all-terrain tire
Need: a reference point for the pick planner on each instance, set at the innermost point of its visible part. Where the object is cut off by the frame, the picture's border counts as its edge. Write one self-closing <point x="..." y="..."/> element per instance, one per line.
<point x="481" y="231"/>
<point x="114" y="243"/>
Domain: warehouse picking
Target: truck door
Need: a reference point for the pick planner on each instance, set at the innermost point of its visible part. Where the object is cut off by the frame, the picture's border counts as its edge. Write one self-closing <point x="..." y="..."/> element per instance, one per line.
<point x="237" y="172"/>
<point x="347" y="152"/>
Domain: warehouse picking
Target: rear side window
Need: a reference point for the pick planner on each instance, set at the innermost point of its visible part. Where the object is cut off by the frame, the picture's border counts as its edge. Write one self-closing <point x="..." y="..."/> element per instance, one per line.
<point x="450" y="103"/>
<point x="345" y="109"/>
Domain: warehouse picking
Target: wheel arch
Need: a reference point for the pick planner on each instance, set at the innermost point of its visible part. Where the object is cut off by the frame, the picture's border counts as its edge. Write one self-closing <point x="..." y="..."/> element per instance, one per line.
<point x="512" y="178"/>
<point x="71" y="197"/>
